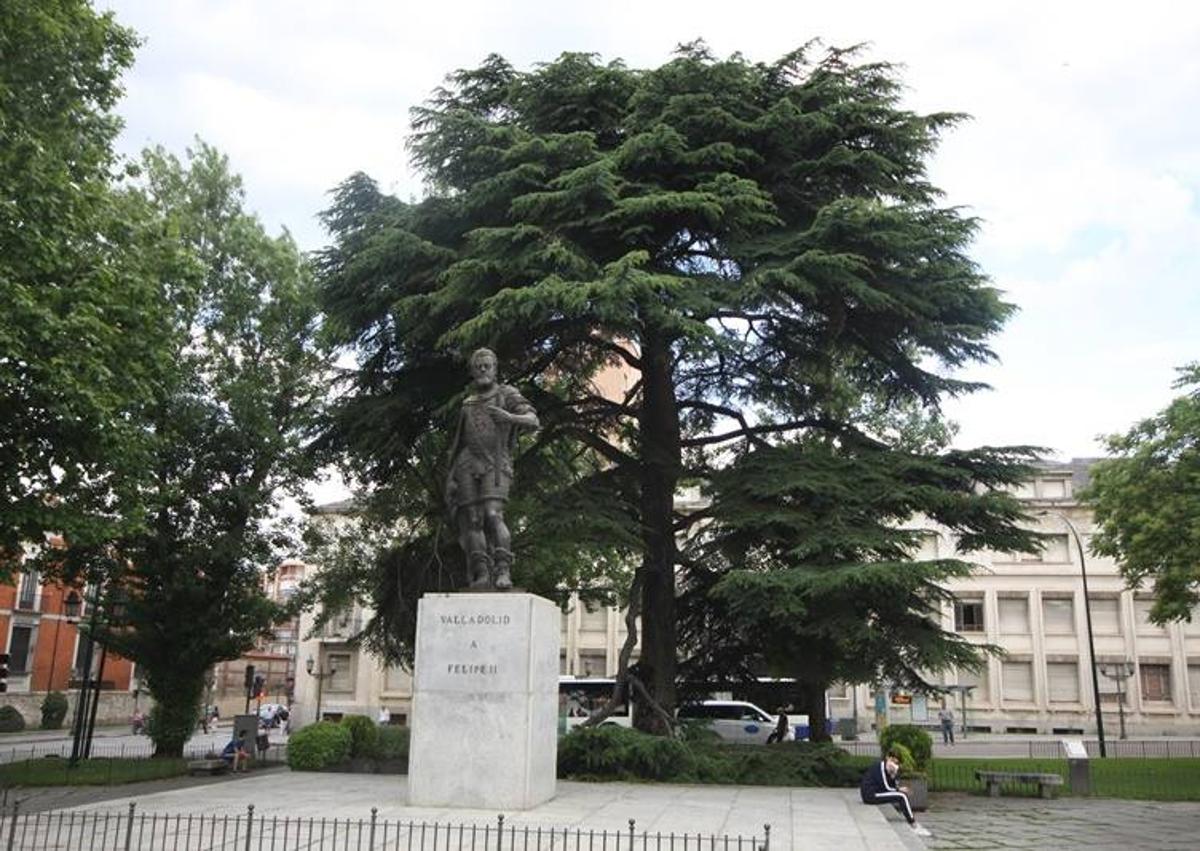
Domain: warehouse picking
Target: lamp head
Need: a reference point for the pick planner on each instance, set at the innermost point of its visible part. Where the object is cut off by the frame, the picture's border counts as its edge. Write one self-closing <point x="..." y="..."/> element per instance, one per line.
<point x="308" y="664"/>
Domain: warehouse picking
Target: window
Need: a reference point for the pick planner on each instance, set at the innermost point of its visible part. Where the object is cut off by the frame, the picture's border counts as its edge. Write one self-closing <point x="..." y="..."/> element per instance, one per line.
<point x="343" y="671"/>
<point x="1014" y="615"/>
<point x="396" y="678"/>
<point x="1018" y="680"/>
<point x="968" y="616"/>
<point x="592" y="663"/>
<point x="18" y="649"/>
<point x="1054" y="551"/>
<point x="27" y="596"/>
<point x="1156" y="682"/>
<point x="1141" y="611"/>
<point x="1058" y="615"/>
<point x="1062" y="682"/>
<point x="1053" y="489"/>
<point x="979" y="680"/>
<point x="1106" y="615"/>
<point x="1194" y="685"/>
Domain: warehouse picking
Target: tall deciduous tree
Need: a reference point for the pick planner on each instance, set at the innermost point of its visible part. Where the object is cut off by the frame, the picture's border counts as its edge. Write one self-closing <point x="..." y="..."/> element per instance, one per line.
<point x="747" y="240"/>
<point x="227" y="433"/>
<point x="86" y="333"/>
<point x="1147" y="502"/>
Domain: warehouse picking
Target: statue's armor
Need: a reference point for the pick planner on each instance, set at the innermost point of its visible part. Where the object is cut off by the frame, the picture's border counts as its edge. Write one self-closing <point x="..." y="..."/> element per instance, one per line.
<point x="483" y="460"/>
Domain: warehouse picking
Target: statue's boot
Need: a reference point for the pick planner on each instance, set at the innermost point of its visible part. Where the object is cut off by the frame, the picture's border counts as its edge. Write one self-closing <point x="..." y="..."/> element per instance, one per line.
<point x="503" y="562"/>
<point x="479" y="569"/>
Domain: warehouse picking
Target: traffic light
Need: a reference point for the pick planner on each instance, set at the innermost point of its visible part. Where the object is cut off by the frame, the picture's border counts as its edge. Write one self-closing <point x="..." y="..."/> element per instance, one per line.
<point x="249" y="681"/>
<point x="4" y="659"/>
<point x="260" y="686"/>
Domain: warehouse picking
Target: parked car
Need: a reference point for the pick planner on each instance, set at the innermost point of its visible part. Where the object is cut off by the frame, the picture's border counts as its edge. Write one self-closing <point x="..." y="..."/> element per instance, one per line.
<point x="733" y="720"/>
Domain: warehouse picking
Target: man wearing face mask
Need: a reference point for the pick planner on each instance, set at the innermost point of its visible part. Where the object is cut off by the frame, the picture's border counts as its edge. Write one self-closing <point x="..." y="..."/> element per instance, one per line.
<point x="481" y="471"/>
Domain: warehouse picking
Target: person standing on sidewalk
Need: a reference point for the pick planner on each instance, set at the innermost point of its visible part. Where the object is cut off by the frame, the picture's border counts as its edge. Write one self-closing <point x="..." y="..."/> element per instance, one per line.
<point x="946" y="719"/>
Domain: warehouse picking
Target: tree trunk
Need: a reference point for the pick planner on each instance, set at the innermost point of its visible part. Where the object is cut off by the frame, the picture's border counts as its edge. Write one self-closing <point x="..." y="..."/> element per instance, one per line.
<point x="176" y="710"/>
<point x="812" y="697"/>
<point x="659" y="435"/>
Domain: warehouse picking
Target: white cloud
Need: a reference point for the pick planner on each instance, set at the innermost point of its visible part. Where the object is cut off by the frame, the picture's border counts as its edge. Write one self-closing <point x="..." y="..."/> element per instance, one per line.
<point x="1080" y="159"/>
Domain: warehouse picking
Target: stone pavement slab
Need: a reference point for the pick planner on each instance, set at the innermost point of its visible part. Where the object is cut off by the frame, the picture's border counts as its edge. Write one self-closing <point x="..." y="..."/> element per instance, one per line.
<point x="815" y="819"/>
<point x="975" y="822"/>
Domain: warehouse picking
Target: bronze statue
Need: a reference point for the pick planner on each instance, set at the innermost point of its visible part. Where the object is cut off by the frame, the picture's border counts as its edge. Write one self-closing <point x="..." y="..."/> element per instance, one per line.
<point x="481" y="471"/>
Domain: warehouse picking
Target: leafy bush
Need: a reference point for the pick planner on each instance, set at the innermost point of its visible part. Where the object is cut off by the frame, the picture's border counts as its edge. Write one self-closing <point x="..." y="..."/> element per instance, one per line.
<point x="319" y="746"/>
<point x="54" y="710"/>
<point x="392" y="743"/>
<point x="364" y="735"/>
<point x="11" y="721"/>
<point x="917" y="741"/>
<point x="617" y="753"/>
<point x="611" y="752"/>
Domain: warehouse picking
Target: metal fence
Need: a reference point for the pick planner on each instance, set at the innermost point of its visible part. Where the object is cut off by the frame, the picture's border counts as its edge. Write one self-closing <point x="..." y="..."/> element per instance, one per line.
<point x="130" y="830"/>
<point x="1047" y="748"/>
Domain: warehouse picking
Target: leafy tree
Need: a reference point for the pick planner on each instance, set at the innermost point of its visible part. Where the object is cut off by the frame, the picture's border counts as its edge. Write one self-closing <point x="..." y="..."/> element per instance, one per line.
<point x="1147" y="502"/>
<point x="757" y="245"/>
<point x="228" y="429"/>
<point x="86" y="333"/>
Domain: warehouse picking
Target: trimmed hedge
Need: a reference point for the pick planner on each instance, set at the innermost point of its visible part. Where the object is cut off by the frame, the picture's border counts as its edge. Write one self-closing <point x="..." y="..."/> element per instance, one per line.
<point x="364" y="736"/>
<point x="54" y="710"/>
<point x="918" y="742"/>
<point x="392" y="743"/>
<point x="319" y="746"/>
<point x="11" y="720"/>
<point x="619" y="753"/>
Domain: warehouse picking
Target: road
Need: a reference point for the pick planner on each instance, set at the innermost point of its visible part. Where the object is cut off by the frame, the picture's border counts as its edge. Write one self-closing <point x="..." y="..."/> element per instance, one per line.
<point x="109" y="742"/>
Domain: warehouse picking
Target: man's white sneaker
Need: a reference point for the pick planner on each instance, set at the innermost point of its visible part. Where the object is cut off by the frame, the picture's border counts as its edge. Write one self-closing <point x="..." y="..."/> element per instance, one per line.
<point x="921" y="831"/>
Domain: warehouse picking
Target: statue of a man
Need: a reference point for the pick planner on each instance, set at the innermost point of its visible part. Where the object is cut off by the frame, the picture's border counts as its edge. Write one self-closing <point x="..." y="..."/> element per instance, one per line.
<point x="481" y="471"/>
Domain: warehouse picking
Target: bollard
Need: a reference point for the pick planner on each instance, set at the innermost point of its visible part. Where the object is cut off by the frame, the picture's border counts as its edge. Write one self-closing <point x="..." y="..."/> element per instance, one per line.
<point x="766" y="837"/>
<point x="249" y="824"/>
<point x="374" y="815"/>
<point x="499" y="831"/>
<point x="129" y="827"/>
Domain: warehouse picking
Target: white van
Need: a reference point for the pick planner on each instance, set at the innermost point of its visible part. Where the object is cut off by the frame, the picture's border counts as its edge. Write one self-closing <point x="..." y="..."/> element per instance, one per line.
<point x="733" y="720"/>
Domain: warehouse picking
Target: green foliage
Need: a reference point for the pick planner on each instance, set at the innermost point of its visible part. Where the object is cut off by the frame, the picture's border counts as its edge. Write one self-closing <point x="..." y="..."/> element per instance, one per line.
<point x="11" y="720"/>
<point x="618" y="753"/>
<point x="756" y="251"/>
<point x="54" y="710"/>
<point x="364" y="735"/>
<point x="916" y="742"/>
<point x="319" y="746"/>
<point x="392" y="743"/>
<point x="86" y="330"/>
<point x="1147" y="503"/>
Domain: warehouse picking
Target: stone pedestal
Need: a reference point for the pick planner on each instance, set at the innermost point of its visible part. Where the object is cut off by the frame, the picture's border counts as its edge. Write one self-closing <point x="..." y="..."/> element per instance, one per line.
<point x="485" y="701"/>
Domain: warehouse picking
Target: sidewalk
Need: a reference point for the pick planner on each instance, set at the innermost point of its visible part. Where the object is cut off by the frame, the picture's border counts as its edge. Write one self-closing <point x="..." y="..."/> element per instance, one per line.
<point x="812" y="819"/>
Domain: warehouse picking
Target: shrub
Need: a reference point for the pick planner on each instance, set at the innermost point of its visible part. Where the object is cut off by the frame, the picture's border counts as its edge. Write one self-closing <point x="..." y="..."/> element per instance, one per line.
<point x="11" y="721"/>
<point x="364" y="735"/>
<point x="917" y="741"/>
<point x="393" y="743"/>
<point x="54" y="710"/>
<point x="319" y="746"/>
<point x="612" y="752"/>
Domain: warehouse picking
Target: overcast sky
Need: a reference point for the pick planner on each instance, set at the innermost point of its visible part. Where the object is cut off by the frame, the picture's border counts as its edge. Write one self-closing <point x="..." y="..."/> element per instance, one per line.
<point x="1082" y="159"/>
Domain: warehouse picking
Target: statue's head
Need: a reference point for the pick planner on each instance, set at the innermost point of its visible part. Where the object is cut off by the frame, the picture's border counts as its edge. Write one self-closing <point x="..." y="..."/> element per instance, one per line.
<point x="483" y="367"/>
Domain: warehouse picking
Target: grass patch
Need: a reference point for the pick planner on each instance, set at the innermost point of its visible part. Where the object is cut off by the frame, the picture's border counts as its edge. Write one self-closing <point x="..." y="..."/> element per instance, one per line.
<point x="1144" y="779"/>
<point x="55" y="771"/>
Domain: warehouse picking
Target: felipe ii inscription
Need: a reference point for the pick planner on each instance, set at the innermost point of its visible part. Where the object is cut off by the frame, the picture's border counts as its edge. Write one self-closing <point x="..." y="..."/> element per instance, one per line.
<point x="485" y="701"/>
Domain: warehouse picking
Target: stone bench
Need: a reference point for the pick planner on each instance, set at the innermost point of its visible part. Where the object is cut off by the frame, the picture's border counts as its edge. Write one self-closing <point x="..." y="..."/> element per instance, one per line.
<point x="207" y="766"/>
<point x="993" y="779"/>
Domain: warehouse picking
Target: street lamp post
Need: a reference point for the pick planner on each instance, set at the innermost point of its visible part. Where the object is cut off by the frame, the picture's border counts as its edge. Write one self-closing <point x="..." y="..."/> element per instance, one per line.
<point x="1119" y="672"/>
<point x="1087" y="611"/>
<point x="68" y="611"/>
<point x="321" y="676"/>
<point x="81" y="706"/>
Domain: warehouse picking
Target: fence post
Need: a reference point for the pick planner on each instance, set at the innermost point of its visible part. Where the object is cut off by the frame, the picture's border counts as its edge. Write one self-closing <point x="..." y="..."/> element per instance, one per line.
<point x="129" y="826"/>
<point x="12" y="825"/>
<point x="766" y="837"/>
<point x="249" y="824"/>
<point x="499" y="831"/>
<point x="632" y="825"/>
<point x="371" y="840"/>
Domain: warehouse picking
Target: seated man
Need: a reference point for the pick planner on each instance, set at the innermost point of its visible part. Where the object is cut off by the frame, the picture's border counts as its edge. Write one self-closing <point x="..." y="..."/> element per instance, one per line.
<point x="877" y="787"/>
<point x="235" y="752"/>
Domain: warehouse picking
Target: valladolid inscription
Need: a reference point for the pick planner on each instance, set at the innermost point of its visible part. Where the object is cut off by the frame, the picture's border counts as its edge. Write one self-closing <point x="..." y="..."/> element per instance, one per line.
<point x="481" y="471"/>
